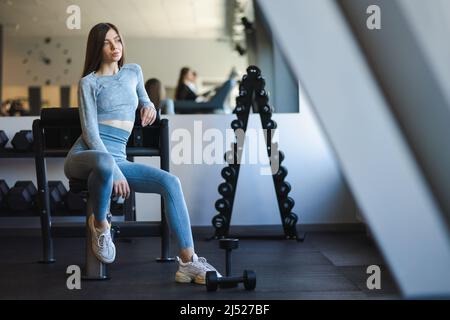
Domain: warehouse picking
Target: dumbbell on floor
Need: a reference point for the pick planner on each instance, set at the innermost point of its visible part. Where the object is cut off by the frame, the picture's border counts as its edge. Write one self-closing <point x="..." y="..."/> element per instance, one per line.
<point x="213" y="281"/>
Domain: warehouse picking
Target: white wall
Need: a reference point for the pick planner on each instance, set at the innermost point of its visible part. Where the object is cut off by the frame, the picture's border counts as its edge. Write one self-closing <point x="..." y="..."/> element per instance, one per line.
<point x="318" y="189"/>
<point x="161" y="58"/>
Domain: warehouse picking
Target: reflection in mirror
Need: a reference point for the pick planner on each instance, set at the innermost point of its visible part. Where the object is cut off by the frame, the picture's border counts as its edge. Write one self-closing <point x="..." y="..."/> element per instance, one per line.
<point x="215" y="40"/>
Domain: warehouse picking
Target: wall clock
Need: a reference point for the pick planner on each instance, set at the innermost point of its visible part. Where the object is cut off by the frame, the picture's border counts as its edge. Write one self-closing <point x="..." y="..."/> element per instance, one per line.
<point x="49" y="54"/>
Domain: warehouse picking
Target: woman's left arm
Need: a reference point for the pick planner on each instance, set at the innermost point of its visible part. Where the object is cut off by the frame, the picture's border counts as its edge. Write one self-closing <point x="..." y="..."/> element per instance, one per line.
<point x="147" y="108"/>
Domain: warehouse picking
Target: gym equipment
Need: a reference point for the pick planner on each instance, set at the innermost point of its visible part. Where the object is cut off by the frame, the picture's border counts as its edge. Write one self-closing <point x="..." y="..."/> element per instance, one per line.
<point x="75" y="203"/>
<point x="155" y="143"/>
<point x="213" y="281"/>
<point x="3" y="139"/>
<point x="287" y="204"/>
<point x="279" y="157"/>
<point x="237" y="124"/>
<point x="228" y="281"/>
<point x="21" y="197"/>
<point x="266" y="109"/>
<point x="253" y="95"/>
<point x="23" y="141"/>
<point x="231" y="157"/>
<point x="225" y="189"/>
<point x="240" y="109"/>
<point x="284" y="189"/>
<point x="57" y="193"/>
<point x="222" y="205"/>
<point x="291" y="219"/>
<point x="219" y="221"/>
<point x="281" y="174"/>
<point x="118" y="207"/>
<point x="270" y="125"/>
<point x="228" y="173"/>
<point x="228" y="245"/>
<point x="4" y="189"/>
<point x="61" y="137"/>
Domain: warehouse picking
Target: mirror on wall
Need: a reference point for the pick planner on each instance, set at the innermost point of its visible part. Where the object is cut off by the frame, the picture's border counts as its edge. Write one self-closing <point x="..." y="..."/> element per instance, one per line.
<point x="44" y="41"/>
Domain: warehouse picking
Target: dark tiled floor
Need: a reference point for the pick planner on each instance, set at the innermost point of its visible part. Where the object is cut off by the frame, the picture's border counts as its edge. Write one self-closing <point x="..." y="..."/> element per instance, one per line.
<point x="325" y="266"/>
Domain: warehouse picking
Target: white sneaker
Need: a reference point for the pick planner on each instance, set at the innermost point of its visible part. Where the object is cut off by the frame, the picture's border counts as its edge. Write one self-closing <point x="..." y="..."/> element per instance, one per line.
<point x="102" y="244"/>
<point x="193" y="271"/>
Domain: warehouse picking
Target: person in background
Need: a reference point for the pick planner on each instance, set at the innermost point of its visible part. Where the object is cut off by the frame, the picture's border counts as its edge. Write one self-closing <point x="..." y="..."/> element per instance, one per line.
<point x="17" y="109"/>
<point x="194" y="84"/>
<point x="157" y="95"/>
<point x="183" y="90"/>
<point x="186" y="87"/>
<point x="4" y="108"/>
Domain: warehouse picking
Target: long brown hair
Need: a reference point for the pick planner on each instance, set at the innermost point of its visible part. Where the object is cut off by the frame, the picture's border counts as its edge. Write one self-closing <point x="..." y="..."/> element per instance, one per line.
<point x="183" y="72"/>
<point x="153" y="88"/>
<point x="94" y="47"/>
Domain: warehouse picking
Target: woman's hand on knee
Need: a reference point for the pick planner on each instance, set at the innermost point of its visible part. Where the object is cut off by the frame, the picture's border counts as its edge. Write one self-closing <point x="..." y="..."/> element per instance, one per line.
<point x="121" y="188"/>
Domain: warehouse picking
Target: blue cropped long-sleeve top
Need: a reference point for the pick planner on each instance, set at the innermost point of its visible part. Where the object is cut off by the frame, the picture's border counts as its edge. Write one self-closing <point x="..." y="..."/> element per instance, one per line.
<point x="114" y="97"/>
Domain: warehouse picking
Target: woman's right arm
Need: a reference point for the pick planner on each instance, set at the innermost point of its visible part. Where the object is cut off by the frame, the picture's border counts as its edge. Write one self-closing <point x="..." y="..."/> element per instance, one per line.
<point x="88" y="119"/>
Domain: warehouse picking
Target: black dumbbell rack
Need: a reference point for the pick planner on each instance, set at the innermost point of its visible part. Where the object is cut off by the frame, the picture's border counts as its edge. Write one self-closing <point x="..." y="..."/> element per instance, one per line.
<point x="252" y="94"/>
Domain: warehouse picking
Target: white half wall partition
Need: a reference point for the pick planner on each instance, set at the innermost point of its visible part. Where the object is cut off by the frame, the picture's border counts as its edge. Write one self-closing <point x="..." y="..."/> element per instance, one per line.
<point x="373" y="154"/>
<point x="320" y="193"/>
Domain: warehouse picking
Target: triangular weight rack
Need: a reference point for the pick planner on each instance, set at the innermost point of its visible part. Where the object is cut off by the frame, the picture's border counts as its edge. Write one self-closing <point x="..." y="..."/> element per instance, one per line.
<point x="252" y="94"/>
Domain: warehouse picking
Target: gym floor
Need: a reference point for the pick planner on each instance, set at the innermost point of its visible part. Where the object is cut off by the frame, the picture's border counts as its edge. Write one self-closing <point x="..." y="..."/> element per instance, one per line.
<point x="327" y="265"/>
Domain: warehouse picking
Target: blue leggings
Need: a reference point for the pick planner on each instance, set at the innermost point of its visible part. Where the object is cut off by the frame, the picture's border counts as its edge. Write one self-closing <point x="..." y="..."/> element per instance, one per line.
<point x="97" y="167"/>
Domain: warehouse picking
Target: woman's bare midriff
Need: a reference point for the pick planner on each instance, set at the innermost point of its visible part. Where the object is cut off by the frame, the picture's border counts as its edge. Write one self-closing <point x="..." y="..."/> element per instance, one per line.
<point x="121" y="124"/>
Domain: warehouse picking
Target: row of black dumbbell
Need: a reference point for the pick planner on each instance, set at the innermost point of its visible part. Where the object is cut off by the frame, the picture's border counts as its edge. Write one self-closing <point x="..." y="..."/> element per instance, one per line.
<point x="282" y="188"/>
<point x="230" y="176"/>
<point x="226" y="189"/>
<point x="223" y="205"/>
<point x="21" y="142"/>
<point x="220" y="220"/>
<point x="22" y="198"/>
<point x="265" y="111"/>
